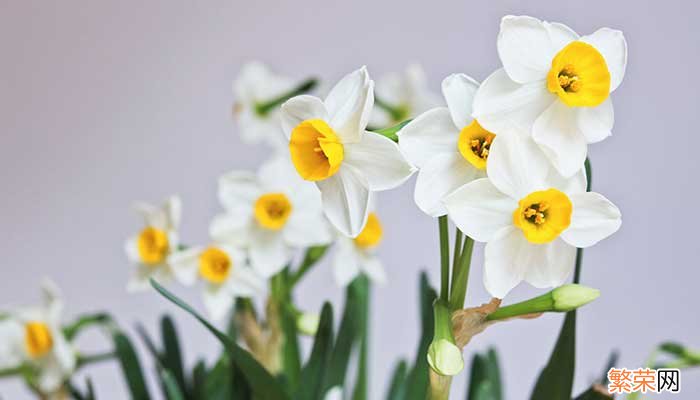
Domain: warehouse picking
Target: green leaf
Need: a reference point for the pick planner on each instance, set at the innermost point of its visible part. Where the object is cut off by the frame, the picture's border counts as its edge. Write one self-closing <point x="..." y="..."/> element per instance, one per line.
<point x="347" y="336"/>
<point x="172" y="357"/>
<point x="417" y="383"/>
<point x="217" y="385"/>
<point x="592" y="394"/>
<point x="312" y="376"/>
<point x="291" y="356"/>
<point x="485" y="377"/>
<point x="557" y="378"/>
<point x="397" y="386"/>
<point x="171" y="385"/>
<point x="130" y="366"/>
<point x="199" y="380"/>
<point x="263" y="385"/>
<point x="361" y="285"/>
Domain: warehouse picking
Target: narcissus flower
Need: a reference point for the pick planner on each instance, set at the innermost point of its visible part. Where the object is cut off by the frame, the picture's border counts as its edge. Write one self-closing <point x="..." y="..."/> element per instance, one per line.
<point x="328" y="145"/>
<point x="531" y="218"/>
<point x="554" y="85"/>
<point x="357" y="255"/>
<point x="255" y="86"/>
<point x="149" y="249"/>
<point x="33" y="337"/>
<point x="270" y="214"/>
<point x="400" y="96"/>
<point x="449" y="147"/>
<point x="223" y="271"/>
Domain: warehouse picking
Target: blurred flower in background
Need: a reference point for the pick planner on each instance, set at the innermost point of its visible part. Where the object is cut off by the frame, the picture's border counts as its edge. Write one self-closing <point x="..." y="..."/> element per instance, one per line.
<point x="355" y="256"/>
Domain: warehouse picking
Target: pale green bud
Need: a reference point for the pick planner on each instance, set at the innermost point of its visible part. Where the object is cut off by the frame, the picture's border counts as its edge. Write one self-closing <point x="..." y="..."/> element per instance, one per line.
<point x="572" y="296"/>
<point x="445" y="357"/>
<point x="307" y="323"/>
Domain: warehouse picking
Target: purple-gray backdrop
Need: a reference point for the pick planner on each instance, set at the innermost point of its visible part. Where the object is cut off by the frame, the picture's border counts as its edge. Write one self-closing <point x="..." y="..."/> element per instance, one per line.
<point x="102" y="104"/>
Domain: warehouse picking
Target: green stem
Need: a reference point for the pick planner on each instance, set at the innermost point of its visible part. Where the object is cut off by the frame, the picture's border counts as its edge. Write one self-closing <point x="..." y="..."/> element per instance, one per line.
<point x="460" y="276"/>
<point x="262" y="109"/>
<point x="8" y="372"/>
<point x="312" y="256"/>
<point x="444" y="259"/>
<point x="579" y="252"/>
<point x="538" y="304"/>
<point x="94" y="358"/>
<point x="391" y="132"/>
<point x="455" y="256"/>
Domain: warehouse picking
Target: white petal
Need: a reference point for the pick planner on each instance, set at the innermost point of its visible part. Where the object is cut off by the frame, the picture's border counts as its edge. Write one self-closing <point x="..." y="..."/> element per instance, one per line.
<point x="560" y="35"/>
<point x="11" y="343"/>
<point x="526" y="47"/>
<point x="152" y="215"/>
<point x="349" y="105"/>
<point x="596" y="122"/>
<point x="594" y="218"/>
<point x="373" y="268"/>
<point x="132" y="249"/>
<point x="306" y="229"/>
<point x="185" y="265"/>
<point x="245" y="282"/>
<point x="173" y="211"/>
<point x="459" y="91"/>
<point x="238" y="189"/>
<point x="502" y="105"/>
<point x="480" y="210"/>
<point x="557" y="133"/>
<point x="380" y="160"/>
<point x="50" y="377"/>
<point x="572" y="185"/>
<point x="346" y="266"/>
<point x="548" y="265"/>
<point x="233" y="226"/>
<point x="278" y="175"/>
<point x="218" y="301"/>
<point x="139" y="281"/>
<point x="346" y="200"/>
<point x="431" y="133"/>
<point x="63" y="352"/>
<point x="516" y="166"/>
<point x="268" y="252"/>
<point x="504" y="261"/>
<point x="301" y="108"/>
<point x="439" y="177"/>
<point x="612" y="45"/>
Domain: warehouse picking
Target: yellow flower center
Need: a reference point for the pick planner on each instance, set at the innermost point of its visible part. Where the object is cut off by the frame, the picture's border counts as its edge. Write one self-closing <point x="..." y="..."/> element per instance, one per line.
<point x="214" y="265"/>
<point x="474" y="144"/>
<point x="543" y="215"/>
<point x="579" y="76"/>
<point x="272" y="210"/>
<point x="316" y="150"/>
<point x="371" y="234"/>
<point x="153" y="245"/>
<point x="37" y="339"/>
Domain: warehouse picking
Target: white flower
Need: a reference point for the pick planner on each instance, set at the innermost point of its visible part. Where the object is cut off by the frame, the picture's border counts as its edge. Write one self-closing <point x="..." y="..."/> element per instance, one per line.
<point x="33" y="336"/>
<point x="328" y="144"/>
<point x="531" y="218"/>
<point x="357" y="255"/>
<point x="222" y="270"/>
<point x="270" y="215"/>
<point x="255" y="85"/>
<point x="406" y="93"/>
<point x="149" y="249"/>
<point x="448" y="146"/>
<point x="555" y="86"/>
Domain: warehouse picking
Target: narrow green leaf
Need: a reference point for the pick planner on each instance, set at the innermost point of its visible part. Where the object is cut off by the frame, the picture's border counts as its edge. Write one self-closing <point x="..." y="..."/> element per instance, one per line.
<point x="477" y="376"/>
<point x="312" y="376"/>
<point x="291" y="356"/>
<point x="90" y="395"/>
<point x="361" y="285"/>
<point x="199" y="379"/>
<point x="217" y="385"/>
<point x="557" y="378"/>
<point x="172" y="357"/>
<point x="417" y="383"/>
<point x="347" y="336"/>
<point x="171" y="386"/>
<point x="397" y="386"/>
<point x="593" y="394"/>
<point x="263" y="385"/>
<point x="130" y="366"/>
<point x="485" y="377"/>
<point x="494" y="373"/>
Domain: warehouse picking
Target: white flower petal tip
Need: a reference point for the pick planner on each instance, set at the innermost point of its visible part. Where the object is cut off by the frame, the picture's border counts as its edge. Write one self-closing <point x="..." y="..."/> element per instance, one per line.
<point x="349" y="104"/>
<point x="594" y="218"/>
<point x="445" y="358"/>
<point x="459" y="91"/>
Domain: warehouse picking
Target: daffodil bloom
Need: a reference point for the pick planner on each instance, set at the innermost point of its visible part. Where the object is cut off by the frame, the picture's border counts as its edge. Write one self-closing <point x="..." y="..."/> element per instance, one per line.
<point x="449" y="147"/>
<point x="222" y="270"/>
<point x="531" y="217"/>
<point x="33" y="337"/>
<point x="358" y="255"/>
<point x="149" y="249"/>
<point x="270" y="214"/>
<point x="554" y="85"/>
<point x="400" y="96"/>
<point x="328" y="145"/>
<point x="256" y="85"/>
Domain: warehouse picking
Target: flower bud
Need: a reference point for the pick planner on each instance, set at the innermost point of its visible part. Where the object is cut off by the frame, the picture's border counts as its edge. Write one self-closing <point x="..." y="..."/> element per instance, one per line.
<point x="445" y="358"/>
<point x="307" y="323"/>
<point x="572" y="296"/>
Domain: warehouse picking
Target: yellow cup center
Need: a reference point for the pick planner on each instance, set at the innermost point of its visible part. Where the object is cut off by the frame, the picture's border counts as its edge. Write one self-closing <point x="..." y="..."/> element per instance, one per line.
<point x="214" y="265"/>
<point x="474" y="144"/>
<point x="37" y="339"/>
<point x="371" y="234"/>
<point x="153" y="245"/>
<point x="316" y="150"/>
<point x="272" y="210"/>
<point x="579" y="75"/>
<point x="543" y="215"/>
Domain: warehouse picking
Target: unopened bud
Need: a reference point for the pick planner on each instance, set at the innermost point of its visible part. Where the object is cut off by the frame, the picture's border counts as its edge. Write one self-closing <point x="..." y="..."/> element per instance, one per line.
<point x="445" y="357"/>
<point x="572" y="296"/>
<point x="307" y="323"/>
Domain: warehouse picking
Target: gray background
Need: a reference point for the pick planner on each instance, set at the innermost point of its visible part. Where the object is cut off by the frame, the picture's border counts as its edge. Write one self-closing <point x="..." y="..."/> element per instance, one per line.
<point x="105" y="103"/>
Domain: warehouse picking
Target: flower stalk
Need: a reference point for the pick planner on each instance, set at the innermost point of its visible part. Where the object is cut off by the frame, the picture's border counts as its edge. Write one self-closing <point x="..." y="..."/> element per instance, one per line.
<point x="444" y="258"/>
<point x="460" y="274"/>
<point x="562" y="299"/>
<point x="263" y="109"/>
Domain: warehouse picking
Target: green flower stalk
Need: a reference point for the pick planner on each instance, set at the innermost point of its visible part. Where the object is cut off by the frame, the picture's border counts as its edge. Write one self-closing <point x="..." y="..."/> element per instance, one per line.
<point x="444" y="357"/>
<point x="562" y="299"/>
<point x="262" y="109"/>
